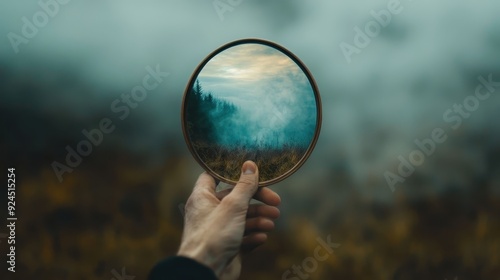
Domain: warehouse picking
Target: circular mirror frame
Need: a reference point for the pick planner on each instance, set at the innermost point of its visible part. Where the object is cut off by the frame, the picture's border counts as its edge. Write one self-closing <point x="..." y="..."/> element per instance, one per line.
<point x="311" y="80"/>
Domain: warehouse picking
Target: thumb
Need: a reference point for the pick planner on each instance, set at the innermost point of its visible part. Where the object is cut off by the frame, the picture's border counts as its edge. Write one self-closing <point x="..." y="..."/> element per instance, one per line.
<point x="247" y="185"/>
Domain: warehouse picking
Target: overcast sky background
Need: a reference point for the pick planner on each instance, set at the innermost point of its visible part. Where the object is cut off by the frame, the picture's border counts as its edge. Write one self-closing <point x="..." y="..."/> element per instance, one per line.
<point x="394" y="91"/>
<point x="440" y="223"/>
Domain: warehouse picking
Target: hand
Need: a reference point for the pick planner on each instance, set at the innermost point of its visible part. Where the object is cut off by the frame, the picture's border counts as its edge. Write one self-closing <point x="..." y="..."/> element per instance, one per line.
<point x="218" y="226"/>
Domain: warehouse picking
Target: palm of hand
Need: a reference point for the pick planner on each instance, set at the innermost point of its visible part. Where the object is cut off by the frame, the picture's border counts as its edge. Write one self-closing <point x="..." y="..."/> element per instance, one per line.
<point x="220" y="226"/>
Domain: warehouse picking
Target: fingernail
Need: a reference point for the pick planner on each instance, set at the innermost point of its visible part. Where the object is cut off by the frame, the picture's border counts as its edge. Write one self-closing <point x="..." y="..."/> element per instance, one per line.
<point x="248" y="167"/>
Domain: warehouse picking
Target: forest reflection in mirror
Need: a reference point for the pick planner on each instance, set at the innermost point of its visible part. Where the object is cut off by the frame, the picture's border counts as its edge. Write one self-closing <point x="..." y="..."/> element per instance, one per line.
<point x="250" y="102"/>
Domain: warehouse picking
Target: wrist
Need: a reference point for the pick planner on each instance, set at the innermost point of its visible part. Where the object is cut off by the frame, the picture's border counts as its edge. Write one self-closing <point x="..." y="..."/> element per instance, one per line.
<point x="202" y="254"/>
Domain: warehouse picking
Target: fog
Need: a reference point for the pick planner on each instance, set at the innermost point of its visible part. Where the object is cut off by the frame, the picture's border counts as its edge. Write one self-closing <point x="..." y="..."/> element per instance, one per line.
<point x="379" y="96"/>
<point x="394" y="91"/>
<point x="275" y="102"/>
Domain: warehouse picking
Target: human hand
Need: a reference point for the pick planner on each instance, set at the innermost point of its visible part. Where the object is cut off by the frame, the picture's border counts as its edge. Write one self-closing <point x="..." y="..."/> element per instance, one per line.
<point x="220" y="225"/>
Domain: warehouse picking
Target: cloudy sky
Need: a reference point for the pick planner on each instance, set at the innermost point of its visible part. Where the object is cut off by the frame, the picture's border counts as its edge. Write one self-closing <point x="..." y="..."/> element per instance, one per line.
<point x="423" y="62"/>
<point x="390" y="93"/>
<point x="264" y="83"/>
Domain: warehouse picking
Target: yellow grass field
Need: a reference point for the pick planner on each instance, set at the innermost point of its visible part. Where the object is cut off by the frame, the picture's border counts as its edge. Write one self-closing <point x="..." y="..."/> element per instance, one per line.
<point x="272" y="162"/>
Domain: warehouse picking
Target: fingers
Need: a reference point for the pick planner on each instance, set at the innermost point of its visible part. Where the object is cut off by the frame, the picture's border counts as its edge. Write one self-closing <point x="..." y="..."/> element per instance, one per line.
<point x="263" y="194"/>
<point x="252" y="241"/>
<point x="260" y="210"/>
<point x="267" y="196"/>
<point x="205" y="182"/>
<point x="259" y="224"/>
<point x="245" y="188"/>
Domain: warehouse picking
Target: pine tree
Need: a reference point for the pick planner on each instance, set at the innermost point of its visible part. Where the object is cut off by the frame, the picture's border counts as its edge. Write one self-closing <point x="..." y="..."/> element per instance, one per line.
<point x="207" y="117"/>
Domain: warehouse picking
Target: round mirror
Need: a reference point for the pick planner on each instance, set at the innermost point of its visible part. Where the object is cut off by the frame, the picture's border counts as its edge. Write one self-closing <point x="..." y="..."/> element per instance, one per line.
<point x="251" y="100"/>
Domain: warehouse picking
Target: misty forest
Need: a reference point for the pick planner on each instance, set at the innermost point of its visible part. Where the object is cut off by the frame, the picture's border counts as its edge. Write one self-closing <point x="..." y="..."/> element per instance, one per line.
<point x="224" y="135"/>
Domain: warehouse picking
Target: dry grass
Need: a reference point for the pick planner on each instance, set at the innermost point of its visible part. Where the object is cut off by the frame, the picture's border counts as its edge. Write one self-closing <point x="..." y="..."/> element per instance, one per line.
<point x="272" y="162"/>
<point x="116" y="212"/>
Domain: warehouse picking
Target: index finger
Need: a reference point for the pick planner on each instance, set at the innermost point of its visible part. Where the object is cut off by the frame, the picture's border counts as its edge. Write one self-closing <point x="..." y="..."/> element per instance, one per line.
<point x="205" y="182"/>
<point x="267" y="196"/>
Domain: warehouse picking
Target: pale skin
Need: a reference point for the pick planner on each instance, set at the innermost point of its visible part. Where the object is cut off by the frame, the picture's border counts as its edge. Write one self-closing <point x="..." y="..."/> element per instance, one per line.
<point x="219" y="227"/>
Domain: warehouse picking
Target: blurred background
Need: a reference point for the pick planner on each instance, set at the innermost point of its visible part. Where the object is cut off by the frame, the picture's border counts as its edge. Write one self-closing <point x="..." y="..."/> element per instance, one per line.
<point x="119" y="207"/>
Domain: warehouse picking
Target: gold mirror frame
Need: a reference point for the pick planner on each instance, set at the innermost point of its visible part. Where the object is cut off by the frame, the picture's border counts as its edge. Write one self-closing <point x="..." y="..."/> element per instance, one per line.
<point x="311" y="80"/>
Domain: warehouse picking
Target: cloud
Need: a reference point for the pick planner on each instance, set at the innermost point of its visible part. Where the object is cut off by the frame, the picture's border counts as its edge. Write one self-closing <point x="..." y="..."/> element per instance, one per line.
<point x="271" y="90"/>
<point x="248" y="71"/>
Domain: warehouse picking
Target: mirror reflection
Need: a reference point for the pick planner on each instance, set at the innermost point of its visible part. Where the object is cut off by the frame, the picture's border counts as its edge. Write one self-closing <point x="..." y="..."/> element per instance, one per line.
<point x="250" y="102"/>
